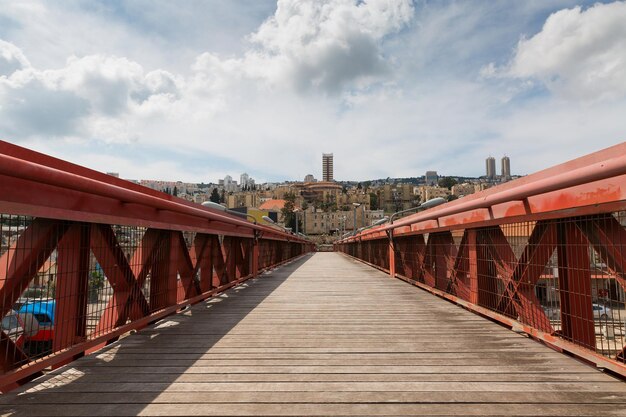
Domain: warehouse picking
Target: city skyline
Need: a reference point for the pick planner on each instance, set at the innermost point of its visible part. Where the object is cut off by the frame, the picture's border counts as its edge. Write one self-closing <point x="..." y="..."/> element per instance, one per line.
<point x="200" y="90"/>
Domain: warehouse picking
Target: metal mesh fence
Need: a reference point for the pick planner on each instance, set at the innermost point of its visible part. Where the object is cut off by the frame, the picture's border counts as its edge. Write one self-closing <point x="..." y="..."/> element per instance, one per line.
<point x="563" y="277"/>
<point x="65" y="283"/>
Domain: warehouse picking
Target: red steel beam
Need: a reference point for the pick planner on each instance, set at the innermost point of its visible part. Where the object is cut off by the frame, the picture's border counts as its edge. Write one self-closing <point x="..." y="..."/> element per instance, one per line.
<point x="72" y="287"/>
<point x="577" y="322"/>
<point x="20" y="263"/>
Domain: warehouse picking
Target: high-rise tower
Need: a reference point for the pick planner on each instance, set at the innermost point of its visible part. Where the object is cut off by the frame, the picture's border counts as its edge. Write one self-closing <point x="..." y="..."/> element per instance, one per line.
<point x="244" y="179"/>
<point x="490" y="165"/>
<point x="506" y="168"/>
<point x="431" y="177"/>
<point x="327" y="167"/>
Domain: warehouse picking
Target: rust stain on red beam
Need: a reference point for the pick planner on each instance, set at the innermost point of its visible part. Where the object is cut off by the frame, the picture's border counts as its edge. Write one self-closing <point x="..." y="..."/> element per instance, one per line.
<point x="466" y="217"/>
<point x="606" y="190"/>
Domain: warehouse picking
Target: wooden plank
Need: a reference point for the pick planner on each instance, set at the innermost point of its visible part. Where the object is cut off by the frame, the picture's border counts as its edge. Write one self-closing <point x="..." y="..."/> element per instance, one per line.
<point x="313" y="409"/>
<point x="433" y="397"/>
<point x="379" y="386"/>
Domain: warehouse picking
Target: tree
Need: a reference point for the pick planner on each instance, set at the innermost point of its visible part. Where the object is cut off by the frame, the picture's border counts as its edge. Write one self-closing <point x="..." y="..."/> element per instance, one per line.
<point x="288" y="212"/>
<point x="96" y="283"/>
<point x="452" y="197"/>
<point x="373" y="201"/>
<point x="223" y="196"/>
<point x="447" y="182"/>
<point x="175" y="192"/>
<point x="215" y="196"/>
<point x="359" y="186"/>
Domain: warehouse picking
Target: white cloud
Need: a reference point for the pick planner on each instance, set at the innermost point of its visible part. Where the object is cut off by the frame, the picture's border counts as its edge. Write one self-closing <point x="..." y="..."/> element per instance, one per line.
<point x="579" y="54"/>
<point x="327" y="45"/>
<point x="11" y="59"/>
<point x="315" y="76"/>
<point x="94" y="96"/>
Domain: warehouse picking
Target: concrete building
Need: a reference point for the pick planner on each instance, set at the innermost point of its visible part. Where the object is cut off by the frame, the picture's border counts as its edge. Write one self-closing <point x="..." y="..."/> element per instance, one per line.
<point x="244" y="179"/>
<point x="427" y="192"/>
<point x="506" y="168"/>
<point x="248" y="199"/>
<point x="396" y="197"/>
<point x="431" y="178"/>
<point x="281" y="190"/>
<point x="352" y="197"/>
<point x="319" y="222"/>
<point x="229" y="185"/>
<point x="461" y="190"/>
<point x="490" y="168"/>
<point x="321" y="192"/>
<point x="327" y="167"/>
<point x="309" y="178"/>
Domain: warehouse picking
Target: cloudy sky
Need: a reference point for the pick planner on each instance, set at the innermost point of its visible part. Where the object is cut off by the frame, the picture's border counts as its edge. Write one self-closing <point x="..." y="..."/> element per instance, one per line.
<point x="194" y="90"/>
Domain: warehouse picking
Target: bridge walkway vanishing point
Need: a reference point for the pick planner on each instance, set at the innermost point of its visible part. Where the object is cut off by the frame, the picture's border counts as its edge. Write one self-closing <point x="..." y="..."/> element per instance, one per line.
<point x="323" y="335"/>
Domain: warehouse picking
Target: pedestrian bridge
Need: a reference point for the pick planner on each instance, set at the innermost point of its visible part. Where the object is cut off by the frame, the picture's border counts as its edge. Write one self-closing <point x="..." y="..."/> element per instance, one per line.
<point x="322" y="335"/>
<point x="120" y="300"/>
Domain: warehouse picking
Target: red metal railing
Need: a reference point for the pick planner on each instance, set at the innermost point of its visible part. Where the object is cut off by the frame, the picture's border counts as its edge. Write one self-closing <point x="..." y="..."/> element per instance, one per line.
<point x="86" y="257"/>
<point x="545" y="254"/>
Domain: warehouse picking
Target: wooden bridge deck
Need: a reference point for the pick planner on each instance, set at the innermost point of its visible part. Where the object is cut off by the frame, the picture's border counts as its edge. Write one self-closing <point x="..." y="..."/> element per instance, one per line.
<point x="324" y="335"/>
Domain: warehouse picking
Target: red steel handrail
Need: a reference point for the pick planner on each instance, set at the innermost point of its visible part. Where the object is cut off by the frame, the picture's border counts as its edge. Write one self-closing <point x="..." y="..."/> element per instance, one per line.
<point x="533" y="185"/>
<point x="11" y="166"/>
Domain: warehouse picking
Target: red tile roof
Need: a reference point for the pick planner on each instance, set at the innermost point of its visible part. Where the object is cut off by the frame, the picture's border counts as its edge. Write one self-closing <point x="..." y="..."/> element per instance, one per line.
<point x="276" y="205"/>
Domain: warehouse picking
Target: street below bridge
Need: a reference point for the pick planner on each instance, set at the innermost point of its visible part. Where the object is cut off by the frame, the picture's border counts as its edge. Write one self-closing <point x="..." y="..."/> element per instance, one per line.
<point x="322" y="335"/>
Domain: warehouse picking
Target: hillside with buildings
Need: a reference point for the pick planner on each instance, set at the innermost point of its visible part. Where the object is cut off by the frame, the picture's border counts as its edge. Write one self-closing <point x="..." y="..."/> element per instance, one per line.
<point x="329" y="207"/>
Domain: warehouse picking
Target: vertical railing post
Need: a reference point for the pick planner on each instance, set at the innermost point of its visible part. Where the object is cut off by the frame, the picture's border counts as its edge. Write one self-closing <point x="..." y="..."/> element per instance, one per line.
<point x="163" y="283"/>
<point x="473" y="266"/>
<point x="230" y="248"/>
<point x="206" y="264"/>
<point x="72" y="287"/>
<point x="577" y="321"/>
<point x="254" y="255"/>
<point x="392" y="254"/>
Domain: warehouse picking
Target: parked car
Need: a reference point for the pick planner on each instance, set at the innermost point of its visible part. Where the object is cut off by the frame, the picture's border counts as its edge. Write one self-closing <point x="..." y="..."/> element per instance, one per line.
<point x="601" y="312"/>
<point x="19" y="327"/>
<point x="553" y="313"/>
<point x="40" y="343"/>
